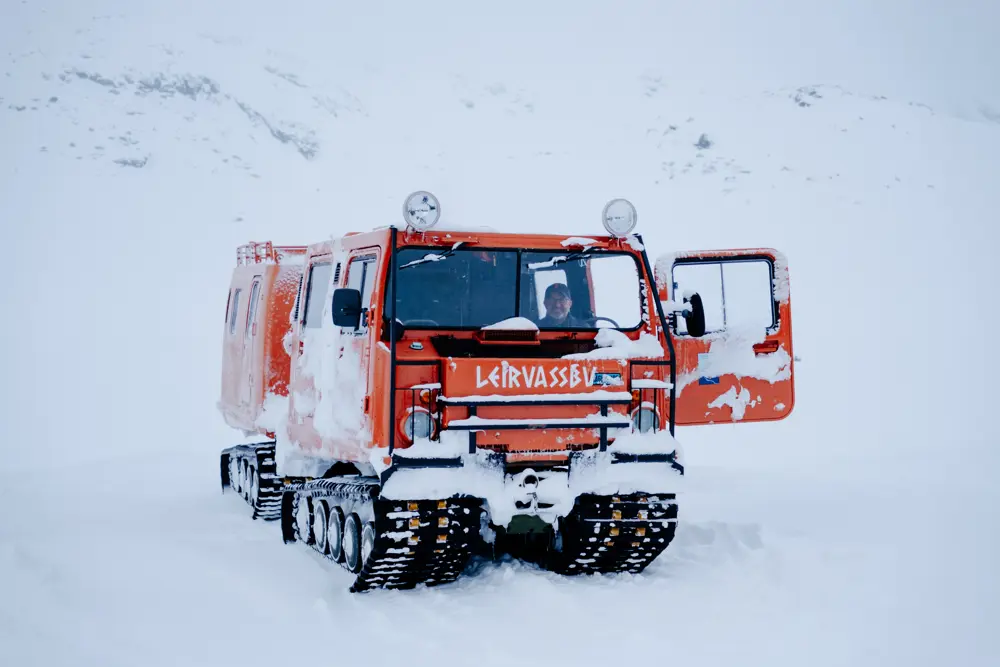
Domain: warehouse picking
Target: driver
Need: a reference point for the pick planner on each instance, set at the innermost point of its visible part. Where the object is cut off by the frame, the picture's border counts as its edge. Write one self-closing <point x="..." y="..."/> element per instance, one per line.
<point x="557" y="304"/>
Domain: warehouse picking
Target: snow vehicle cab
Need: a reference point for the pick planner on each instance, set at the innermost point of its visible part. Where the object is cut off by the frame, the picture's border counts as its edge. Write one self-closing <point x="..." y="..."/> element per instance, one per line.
<point x="447" y="390"/>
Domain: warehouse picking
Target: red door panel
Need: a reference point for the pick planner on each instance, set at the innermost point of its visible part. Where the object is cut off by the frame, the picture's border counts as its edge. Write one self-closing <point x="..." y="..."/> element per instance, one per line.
<point x="307" y="346"/>
<point x="742" y="368"/>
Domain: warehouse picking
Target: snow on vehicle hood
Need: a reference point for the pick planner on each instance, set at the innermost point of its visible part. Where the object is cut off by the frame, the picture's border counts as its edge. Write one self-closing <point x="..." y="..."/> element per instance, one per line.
<point x="513" y="324"/>
<point x="613" y="344"/>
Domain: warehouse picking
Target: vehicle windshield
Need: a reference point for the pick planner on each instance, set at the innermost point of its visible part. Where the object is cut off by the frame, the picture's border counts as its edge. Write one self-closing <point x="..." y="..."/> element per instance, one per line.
<point x="465" y="288"/>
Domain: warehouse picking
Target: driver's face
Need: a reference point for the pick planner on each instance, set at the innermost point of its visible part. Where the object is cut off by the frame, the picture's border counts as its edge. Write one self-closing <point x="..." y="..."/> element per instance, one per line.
<point x="557" y="306"/>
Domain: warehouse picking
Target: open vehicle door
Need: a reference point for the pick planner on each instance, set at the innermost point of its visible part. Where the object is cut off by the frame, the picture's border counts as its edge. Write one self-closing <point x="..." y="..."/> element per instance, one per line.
<point x="732" y="334"/>
<point x="308" y="345"/>
<point x="351" y="375"/>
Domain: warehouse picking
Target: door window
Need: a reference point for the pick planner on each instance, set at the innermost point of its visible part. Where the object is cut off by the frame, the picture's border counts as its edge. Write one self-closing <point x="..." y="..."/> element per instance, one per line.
<point x="316" y="290"/>
<point x="736" y="294"/>
<point x="583" y="291"/>
<point x="615" y="279"/>
<point x="234" y="311"/>
<point x="252" y="312"/>
<point x="361" y="276"/>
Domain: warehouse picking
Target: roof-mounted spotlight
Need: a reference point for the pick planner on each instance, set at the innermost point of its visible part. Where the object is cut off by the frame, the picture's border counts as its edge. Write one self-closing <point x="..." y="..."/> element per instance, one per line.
<point x="421" y="211"/>
<point x="619" y="217"/>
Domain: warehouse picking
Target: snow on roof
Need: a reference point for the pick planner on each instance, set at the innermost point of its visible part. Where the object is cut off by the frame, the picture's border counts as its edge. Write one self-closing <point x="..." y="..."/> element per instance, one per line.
<point x="578" y="241"/>
<point x="633" y="241"/>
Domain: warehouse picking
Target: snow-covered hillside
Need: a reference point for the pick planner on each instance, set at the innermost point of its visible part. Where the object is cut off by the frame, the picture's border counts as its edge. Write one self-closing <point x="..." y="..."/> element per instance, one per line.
<point x="139" y="145"/>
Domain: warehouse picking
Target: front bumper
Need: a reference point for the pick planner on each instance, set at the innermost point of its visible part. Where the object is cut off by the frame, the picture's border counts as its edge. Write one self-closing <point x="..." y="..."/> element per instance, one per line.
<point x="548" y="492"/>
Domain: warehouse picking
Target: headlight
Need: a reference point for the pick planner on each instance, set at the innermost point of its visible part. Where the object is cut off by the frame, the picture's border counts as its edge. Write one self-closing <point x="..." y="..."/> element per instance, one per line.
<point x="619" y="217"/>
<point x="417" y="424"/>
<point x="421" y="211"/>
<point x="645" y="420"/>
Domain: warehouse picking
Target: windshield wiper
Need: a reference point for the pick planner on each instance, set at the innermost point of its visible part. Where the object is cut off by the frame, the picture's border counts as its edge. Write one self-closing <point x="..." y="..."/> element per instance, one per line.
<point x="561" y="259"/>
<point x="433" y="257"/>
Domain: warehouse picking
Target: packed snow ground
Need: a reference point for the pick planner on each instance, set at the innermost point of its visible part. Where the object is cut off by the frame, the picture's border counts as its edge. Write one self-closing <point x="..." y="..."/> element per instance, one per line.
<point x="141" y="145"/>
<point x="831" y="567"/>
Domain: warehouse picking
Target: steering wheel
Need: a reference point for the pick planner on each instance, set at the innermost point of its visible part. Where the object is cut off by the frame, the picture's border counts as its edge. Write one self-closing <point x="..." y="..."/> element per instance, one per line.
<point x="598" y="318"/>
<point x="416" y="324"/>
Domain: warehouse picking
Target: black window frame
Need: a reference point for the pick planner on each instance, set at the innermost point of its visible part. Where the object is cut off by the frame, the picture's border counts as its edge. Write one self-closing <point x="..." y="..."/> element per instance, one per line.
<point x="235" y="312"/>
<point x="367" y="260"/>
<point x="775" y="325"/>
<point x="308" y="292"/>
<point x="298" y="299"/>
<point x="255" y="290"/>
<point x="640" y="272"/>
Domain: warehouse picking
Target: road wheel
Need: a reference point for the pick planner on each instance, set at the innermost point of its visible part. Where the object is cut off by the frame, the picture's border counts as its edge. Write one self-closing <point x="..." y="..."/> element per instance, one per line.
<point x="319" y="526"/>
<point x="303" y="519"/>
<point x="352" y="543"/>
<point x="367" y="542"/>
<point x="335" y="534"/>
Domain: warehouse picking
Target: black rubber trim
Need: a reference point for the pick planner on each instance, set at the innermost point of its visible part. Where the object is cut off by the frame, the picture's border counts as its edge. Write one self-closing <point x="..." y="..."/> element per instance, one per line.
<point x="671" y="458"/>
<point x="404" y="462"/>
<point x="532" y="427"/>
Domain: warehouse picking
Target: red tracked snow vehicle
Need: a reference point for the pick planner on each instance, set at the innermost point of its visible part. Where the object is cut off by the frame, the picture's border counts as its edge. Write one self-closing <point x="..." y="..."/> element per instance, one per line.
<point x="424" y="392"/>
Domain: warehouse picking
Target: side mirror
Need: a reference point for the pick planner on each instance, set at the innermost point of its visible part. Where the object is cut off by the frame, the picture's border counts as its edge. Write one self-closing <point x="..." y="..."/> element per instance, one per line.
<point x="346" y="308"/>
<point x="695" y="319"/>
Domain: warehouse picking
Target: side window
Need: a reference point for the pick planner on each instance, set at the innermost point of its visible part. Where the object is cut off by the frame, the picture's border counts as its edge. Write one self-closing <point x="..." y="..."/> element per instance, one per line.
<point x="298" y="301"/>
<point x="615" y="290"/>
<point x="252" y="312"/>
<point x="356" y="276"/>
<point x="736" y="294"/>
<point x="361" y="276"/>
<point x="234" y="311"/>
<point x="229" y="304"/>
<point x="316" y="291"/>
<point x="366" y="292"/>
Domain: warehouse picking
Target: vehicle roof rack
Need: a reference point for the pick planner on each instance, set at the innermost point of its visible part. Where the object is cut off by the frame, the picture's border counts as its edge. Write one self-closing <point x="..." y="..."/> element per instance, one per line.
<point x="265" y="252"/>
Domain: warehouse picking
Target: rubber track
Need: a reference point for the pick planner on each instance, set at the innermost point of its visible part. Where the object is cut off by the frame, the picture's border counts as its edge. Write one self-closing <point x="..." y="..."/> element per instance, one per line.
<point x="267" y="504"/>
<point x="416" y="541"/>
<point x="606" y="534"/>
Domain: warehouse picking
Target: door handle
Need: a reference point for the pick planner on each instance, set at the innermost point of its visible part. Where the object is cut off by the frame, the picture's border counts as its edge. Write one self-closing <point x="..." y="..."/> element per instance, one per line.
<point x="767" y="347"/>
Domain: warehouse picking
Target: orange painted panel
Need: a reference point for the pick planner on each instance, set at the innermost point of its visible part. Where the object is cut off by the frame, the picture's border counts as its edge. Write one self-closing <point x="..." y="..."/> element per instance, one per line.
<point x="723" y="377"/>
